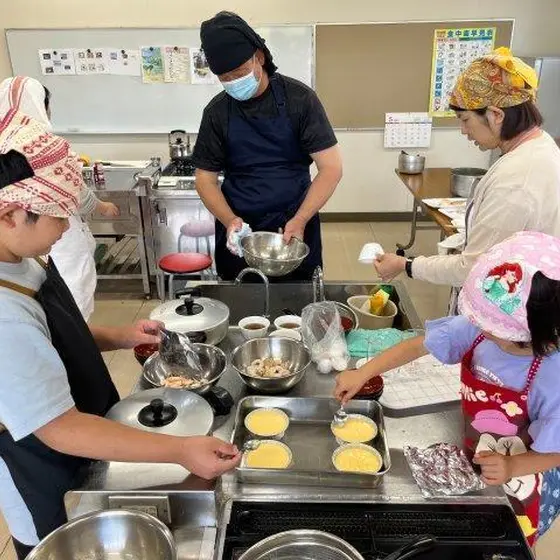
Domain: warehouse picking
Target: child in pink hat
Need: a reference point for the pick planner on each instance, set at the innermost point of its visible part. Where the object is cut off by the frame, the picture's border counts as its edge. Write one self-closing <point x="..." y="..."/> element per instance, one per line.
<point x="507" y="340"/>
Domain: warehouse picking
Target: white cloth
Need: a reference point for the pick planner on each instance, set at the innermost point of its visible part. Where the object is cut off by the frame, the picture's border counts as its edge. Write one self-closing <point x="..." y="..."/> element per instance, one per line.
<point x="235" y="237"/>
<point x="27" y="95"/>
<point x="73" y="257"/>
<point x="370" y="252"/>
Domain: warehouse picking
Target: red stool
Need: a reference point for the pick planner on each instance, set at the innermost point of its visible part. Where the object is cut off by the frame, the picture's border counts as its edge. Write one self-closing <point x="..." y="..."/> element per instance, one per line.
<point x="180" y="264"/>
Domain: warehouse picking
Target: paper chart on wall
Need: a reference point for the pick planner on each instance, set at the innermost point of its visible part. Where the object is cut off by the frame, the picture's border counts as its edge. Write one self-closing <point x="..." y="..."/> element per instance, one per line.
<point x="176" y="64"/>
<point x="200" y="70"/>
<point x="91" y="61"/>
<point x="453" y="51"/>
<point x="57" y="61"/>
<point x="152" y="65"/>
<point x="124" y="62"/>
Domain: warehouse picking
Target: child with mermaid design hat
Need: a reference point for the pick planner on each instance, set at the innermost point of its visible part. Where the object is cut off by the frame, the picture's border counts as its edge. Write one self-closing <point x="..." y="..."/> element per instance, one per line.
<point x="507" y="340"/>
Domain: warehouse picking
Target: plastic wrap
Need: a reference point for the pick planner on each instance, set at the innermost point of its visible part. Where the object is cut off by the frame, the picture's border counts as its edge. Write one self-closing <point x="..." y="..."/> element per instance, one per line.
<point x="442" y="469"/>
<point x="323" y="334"/>
<point x="177" y="354"/>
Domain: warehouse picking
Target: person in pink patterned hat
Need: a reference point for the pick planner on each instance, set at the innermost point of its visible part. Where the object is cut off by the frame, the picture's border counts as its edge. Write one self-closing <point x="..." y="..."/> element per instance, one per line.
<point x="507" y="340"/>
<point x="58" y="388"/>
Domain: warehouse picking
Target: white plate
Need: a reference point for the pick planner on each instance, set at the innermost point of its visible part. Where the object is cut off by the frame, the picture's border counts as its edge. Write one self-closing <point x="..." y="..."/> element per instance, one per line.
<point x="445" y="202"/>
<point x="453" y="213"/>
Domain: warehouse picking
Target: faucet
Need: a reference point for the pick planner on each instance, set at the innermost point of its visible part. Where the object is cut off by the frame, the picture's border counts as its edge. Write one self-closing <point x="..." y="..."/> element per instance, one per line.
<point x="256" y="271"/>
<point x="318" y="285"/>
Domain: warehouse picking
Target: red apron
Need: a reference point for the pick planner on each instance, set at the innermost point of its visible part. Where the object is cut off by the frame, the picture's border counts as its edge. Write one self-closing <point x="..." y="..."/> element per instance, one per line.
<point x="497" y="419"/>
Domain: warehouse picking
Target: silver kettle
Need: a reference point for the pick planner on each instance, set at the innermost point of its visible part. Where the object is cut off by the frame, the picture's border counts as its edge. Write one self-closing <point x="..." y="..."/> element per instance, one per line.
<point x="179" y="145"/>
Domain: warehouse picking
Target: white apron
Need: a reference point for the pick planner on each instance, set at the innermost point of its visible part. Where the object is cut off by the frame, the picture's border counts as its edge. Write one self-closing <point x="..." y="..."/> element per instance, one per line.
<point x="73" y="256"/>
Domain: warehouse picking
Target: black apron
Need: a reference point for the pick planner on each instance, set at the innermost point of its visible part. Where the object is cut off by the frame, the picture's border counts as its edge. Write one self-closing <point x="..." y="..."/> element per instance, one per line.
<point x="266" y="180"/>
<point x="41" y="474"/>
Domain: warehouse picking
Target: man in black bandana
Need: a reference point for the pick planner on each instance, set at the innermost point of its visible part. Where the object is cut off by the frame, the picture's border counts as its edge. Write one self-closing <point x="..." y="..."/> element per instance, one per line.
<point x="263" y="132"/>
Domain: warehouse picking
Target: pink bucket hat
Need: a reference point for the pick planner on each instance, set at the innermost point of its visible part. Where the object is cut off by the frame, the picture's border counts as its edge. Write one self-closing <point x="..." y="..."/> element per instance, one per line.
<point x="494" y="296"/>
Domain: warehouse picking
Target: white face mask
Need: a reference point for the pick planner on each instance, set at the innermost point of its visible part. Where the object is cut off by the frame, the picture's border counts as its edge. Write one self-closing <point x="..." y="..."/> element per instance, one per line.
<point x="243" y="88"/>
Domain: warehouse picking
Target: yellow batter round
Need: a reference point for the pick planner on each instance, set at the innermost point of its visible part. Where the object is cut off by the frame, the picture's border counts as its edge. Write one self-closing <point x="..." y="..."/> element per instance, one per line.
<point x="268" y="455"/>
<point x="355" y="430"/>
<point x="353" y="459"/>
<point x="266" y="422"/>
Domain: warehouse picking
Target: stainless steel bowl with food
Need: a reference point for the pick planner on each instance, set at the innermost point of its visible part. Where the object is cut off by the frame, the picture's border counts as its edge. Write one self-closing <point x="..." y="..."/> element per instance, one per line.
<point x="269" y="252"/>
<point x="271" y="365"/>
<point x="213" y="364"/>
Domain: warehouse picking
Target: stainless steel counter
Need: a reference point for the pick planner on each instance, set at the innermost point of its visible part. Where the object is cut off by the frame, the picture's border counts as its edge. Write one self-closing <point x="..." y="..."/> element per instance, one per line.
<point x="201" y="509"/>
<point x="397" y="485"/>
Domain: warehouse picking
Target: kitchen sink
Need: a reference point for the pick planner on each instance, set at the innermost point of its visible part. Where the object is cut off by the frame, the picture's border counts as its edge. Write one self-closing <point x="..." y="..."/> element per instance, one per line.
<point x="290" y="298"/>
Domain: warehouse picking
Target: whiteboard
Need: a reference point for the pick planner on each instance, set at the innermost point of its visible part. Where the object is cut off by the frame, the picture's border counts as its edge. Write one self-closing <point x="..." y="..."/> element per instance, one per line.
<point x="104" y="104"/>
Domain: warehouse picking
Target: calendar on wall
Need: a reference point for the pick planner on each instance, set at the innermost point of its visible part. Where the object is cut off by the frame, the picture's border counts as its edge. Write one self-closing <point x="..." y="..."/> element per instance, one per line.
<point x="407" y="130"/>
<point x="454" y="50"/>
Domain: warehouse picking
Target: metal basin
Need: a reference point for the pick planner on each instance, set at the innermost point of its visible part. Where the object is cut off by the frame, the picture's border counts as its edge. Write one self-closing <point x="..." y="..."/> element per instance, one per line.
<point x="291" y="351"/>
<point x="108" y="535"/>
<point x="271" y="254"/>
<point x="212" y="359"/>
<point x="411" y="164"/>
<point x="464" y="180"/>
<point x="302" y="544"/>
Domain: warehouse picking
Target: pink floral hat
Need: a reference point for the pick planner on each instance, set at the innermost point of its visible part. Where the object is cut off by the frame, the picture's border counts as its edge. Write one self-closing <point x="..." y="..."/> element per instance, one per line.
<point x="494" y="296"/>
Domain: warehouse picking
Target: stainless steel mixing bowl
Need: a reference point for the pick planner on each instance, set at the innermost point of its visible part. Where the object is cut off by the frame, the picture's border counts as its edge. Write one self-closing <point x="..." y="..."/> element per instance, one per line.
<point x="293" y="352"/>
<point x="271" y="254"/>
<point x="108" y="534"/>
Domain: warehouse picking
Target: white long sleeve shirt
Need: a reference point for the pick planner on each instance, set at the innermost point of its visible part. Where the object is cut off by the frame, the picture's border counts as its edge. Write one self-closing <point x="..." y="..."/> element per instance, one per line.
<point x="520" y="192"/>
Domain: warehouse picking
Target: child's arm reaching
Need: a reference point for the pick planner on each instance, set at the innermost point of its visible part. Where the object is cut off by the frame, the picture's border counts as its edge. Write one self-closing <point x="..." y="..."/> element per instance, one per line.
<point x="349" y="382"/>
<point x="498" y="469"/>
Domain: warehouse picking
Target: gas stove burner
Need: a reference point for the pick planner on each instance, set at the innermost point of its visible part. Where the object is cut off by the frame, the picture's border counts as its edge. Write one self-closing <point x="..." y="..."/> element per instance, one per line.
<point x="179" y="168"/>
<point x="387" y="532"/>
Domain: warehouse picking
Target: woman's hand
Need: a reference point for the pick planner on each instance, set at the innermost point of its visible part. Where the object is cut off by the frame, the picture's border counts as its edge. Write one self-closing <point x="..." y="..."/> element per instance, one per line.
<point x="389" y="266"/>
<point x="348" y="383"/>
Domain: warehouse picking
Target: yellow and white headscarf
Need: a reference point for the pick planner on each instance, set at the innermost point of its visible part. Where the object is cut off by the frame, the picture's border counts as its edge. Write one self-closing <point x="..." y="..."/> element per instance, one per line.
<point x="498" y="79"/>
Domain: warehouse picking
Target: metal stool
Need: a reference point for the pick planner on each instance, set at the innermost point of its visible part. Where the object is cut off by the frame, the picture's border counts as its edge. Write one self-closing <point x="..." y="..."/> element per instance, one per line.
<point x="180" y="264"/>
<point x="198" y="230"/>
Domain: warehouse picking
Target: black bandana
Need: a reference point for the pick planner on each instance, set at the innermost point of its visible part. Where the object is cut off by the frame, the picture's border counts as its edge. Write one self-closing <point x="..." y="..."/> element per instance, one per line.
<point x="228" y="42"/>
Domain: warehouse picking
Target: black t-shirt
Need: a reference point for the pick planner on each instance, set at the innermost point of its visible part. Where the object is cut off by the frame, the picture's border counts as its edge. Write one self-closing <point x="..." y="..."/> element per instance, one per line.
<point x="309" y="121"/>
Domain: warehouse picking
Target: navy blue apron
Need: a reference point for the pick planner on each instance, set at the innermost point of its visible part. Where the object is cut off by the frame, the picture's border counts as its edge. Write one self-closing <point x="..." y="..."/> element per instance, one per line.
<point x="266" y="180"/>
<point x="41" y="474"/>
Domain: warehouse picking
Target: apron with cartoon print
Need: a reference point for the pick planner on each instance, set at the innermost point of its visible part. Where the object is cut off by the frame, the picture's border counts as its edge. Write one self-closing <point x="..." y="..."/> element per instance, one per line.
<point x="497" y="419"/>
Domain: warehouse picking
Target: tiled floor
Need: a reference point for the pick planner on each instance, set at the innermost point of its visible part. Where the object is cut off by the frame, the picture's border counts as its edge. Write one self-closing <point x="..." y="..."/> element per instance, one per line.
<point x="341" y="245"/>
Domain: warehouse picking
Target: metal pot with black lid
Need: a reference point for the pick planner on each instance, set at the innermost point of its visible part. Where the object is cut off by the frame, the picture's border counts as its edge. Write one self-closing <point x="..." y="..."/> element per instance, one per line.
<point x="192" y="314"/>
<point x="165" y="411"/>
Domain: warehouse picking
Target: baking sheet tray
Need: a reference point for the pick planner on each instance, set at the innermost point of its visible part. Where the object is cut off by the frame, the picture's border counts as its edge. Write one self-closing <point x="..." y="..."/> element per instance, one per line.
<point x="310" y="438"/>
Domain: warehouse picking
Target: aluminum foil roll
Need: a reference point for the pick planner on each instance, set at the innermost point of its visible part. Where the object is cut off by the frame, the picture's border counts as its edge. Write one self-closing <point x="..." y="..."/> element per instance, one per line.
<point x="442" y="469"/>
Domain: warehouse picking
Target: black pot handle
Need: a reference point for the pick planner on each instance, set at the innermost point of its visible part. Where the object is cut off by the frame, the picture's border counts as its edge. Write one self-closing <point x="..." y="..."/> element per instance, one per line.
<point x="193" y="292"/>
<point x="417" y="546"/>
